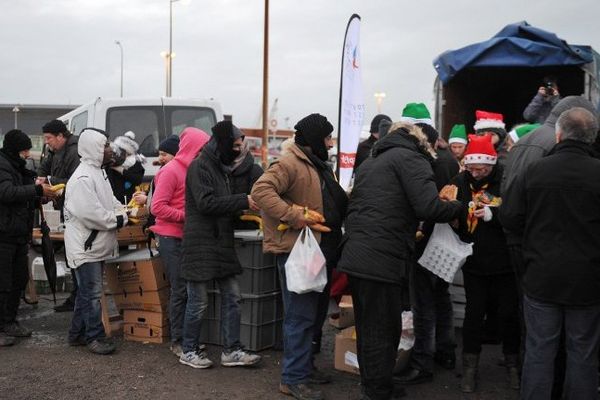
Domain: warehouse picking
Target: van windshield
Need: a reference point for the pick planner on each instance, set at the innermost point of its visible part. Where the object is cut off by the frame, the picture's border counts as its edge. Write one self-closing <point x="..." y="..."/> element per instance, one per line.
<point x="151" y="124"/>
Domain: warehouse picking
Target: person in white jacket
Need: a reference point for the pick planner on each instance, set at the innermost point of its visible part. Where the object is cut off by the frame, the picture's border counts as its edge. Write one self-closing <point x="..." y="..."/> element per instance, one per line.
<point x="92" y="216"/>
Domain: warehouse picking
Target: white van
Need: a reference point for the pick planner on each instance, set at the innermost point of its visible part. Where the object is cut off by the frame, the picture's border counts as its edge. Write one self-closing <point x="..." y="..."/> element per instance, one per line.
<point x="151" y="119"/>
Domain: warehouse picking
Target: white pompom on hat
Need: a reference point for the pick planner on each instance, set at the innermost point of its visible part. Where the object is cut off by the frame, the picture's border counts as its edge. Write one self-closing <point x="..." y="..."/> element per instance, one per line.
<point x="127" y="142"/>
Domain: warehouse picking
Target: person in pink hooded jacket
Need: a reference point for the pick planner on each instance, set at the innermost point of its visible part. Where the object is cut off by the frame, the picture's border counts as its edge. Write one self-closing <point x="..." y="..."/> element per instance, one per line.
<point x="168" y="206"/>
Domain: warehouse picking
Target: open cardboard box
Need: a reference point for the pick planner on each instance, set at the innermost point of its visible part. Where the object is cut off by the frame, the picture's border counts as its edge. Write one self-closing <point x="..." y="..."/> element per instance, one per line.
<point x="346" y="314"/>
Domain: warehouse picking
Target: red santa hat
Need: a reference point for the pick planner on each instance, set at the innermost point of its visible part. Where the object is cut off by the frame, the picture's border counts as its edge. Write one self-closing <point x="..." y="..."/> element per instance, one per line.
<point x="486" y="120"/>
<point x="480" y="150"/>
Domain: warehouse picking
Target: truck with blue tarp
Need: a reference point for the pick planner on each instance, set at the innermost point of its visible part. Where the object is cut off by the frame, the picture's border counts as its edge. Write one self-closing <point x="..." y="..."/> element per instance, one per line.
<point x="503" y="74"/>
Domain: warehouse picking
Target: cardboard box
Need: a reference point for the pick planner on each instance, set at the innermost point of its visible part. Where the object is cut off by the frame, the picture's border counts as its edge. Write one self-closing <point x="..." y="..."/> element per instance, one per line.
<point x="346" y="358"/>
<point x="143" y="300"/>
<point x="346" y="315"/>
<point x="111" y="318"/>
<point x="133" y="276"/>
<point x="145" y="326"/>
<point x="131" y="234"/>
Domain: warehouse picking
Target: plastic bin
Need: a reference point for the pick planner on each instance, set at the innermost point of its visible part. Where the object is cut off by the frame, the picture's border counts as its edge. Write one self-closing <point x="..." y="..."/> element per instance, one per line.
<point x="253" y="337"/>
<point x="255" y="309"/>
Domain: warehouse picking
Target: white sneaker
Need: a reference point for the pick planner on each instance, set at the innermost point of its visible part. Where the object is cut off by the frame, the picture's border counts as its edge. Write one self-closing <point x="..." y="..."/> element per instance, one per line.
<point x="195" y="359"/>
<point x="238" y="358"/>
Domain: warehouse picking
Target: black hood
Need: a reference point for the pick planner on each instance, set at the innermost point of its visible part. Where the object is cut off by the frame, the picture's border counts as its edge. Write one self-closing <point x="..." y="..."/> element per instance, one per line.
<point x="399" y="138"/>
<point x="567" y="103"/>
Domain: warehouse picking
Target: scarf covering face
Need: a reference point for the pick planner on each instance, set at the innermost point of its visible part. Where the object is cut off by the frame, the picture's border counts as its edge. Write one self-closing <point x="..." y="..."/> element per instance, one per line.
<point x="224" y="134"/>
<point x="311" y="131"/>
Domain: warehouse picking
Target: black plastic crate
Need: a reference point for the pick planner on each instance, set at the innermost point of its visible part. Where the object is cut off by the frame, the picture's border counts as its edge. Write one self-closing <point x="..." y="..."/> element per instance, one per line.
<point x="255" y="309"/>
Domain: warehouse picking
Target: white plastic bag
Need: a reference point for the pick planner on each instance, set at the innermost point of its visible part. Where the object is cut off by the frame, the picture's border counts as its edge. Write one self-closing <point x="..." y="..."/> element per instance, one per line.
<point x="305" y="267"/>
<point x="445" y="252"/>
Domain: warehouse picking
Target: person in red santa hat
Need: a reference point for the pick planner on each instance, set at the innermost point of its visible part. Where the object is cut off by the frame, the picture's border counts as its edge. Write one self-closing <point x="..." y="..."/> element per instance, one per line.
<point x="487" y="273"/>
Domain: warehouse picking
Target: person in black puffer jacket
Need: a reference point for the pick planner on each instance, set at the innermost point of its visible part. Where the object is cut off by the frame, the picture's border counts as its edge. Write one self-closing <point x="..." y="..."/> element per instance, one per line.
<point x="245" y="173"/>
<point x="487" y="272"/>
<point x="394" y="189"/>
<point x="18" y="197"/>
<point x="208" y="245"/>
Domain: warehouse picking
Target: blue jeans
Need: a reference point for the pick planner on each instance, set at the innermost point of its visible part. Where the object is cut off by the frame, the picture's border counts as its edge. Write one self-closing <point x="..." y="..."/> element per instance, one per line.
<point x="433" y="318"/>
<point x="230" y="313"/>
<point x="170" y="252"/>
<point x="87" y="315"/>
<point x="582" y="332"/>
<point x="299" y="320"/>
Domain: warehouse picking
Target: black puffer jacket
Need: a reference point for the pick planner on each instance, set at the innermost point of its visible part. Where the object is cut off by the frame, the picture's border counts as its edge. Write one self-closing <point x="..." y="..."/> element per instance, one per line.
<point x="394" y="189"/>
<point x="490" y="252"/>
<point x="61" y="164"/>
<point x="210" y="208"/>
<point x="242" y="180"/>
<point x="17" y="198"/>
<point x="124" y="183"/>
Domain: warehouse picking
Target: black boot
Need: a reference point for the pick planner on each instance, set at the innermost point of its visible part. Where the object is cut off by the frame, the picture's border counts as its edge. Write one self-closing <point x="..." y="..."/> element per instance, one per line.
<point x="470" y="362"/>
<point x="511" y="361"/>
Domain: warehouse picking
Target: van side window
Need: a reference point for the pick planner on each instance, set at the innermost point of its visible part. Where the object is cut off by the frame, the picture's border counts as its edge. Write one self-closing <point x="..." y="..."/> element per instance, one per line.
<point x="144" y="121"/>
<point x="197" y="117"/>
<point x="79" y="122"/>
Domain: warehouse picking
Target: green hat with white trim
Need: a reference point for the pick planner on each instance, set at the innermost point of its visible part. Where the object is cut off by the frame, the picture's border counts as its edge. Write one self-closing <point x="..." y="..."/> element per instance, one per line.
<point x="458" y="134"/>
<point x="415" y="113"/>
<point x="522" y="130"/>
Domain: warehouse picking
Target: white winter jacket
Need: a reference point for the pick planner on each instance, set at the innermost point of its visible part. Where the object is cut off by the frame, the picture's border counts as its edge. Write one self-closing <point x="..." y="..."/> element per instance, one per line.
<point x="90" y="205"/>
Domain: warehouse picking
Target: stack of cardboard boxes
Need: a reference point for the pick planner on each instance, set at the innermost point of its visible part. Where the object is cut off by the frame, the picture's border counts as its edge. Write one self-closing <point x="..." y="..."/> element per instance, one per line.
<point x="139" y="288"/>
<point x="345" y="341"/>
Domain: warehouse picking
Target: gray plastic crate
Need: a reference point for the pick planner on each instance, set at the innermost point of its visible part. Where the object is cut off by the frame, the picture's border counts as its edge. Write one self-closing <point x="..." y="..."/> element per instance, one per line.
<point x="210" y="331"/>
<point x="259" y="273"/>
<point x="253" y="337"/>
<point x="255" y="309"/>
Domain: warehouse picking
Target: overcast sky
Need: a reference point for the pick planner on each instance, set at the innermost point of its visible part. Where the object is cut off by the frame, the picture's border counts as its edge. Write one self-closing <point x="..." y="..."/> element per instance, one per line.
<point x="63" y="51"/>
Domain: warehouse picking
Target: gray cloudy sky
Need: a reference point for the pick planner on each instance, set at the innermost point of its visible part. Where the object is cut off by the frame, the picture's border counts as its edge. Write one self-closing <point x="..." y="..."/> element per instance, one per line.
<point x="63" y="51"/>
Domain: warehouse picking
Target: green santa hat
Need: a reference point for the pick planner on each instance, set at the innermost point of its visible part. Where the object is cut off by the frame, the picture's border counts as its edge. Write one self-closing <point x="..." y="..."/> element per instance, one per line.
<point x="458" y="134"/>
<point x="415" y="113"/>
<point x="521" y="130"/>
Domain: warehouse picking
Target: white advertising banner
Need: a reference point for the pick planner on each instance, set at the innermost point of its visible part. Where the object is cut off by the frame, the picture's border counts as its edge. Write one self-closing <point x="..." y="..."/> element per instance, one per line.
<point x="352" y="106"/>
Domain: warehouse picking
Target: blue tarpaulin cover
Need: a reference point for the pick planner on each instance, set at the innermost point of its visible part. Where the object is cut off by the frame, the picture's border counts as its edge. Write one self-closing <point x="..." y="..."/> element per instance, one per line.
<point x="516" y="45"/>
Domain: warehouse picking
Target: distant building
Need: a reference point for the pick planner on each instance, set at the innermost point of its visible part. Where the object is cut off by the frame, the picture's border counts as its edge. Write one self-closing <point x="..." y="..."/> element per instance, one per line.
<point x="30" y="118"/>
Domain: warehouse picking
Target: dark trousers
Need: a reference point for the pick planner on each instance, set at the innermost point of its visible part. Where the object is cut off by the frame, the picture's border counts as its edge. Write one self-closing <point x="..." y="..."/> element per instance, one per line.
<point x="14" y="274"/>
<point x="322" y="309"/>
<point x="582" y="332"/>
<point x="478" y="290"/>
<point x="170" y="251"/>
<point x="433" y="318"/>
<point x="378" y="310"/>
<point x="518" y="264"/>
<point x="87" y="315"/>
<point x="73" y="294"/>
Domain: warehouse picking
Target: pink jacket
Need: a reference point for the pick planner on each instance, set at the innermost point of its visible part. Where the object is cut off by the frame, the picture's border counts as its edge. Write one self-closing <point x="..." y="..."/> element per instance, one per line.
<point x="168" y="201"/>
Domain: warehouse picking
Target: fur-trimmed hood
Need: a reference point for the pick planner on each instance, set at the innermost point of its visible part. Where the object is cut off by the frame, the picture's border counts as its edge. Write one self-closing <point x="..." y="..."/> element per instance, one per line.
<point x="406" y="135"/>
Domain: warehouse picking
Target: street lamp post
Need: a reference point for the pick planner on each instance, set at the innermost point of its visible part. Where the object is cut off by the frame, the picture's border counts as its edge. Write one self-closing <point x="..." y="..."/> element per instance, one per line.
<point x="379" y="96"/>
<point x="16" y="110"/>
<point x="118" y="43"/>
<point x="171" y="55"/>
<point x="167" y="56"/>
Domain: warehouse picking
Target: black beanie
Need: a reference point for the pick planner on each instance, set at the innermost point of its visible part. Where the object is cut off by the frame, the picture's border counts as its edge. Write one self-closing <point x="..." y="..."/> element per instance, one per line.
<point x="429" y="131"/>
<point x="375" y="122"/>
<point x="170" y="145"/>
<point x="16" y="141"/>
<point x="55" y="127"/>
<point x="311" y="131"/>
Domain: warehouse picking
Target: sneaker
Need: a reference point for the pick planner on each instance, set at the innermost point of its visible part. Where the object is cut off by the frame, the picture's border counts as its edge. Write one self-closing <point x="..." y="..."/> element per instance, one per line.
<point x="15" y="329"/>
<point x="6" y="340"/>
<point x="195" y="359"/>
<point x="67" y="306"/>
<point x="301" y="391"/>
<point x="176" y="349"/>
<point x="78" y="341"/>
<point x="101" y="346"/>
<point x="238" y="358"/>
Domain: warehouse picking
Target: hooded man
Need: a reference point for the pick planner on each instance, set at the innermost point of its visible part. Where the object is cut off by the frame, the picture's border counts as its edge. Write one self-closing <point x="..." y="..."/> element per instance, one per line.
<point x="364" y="148"/>
<point x="301" y="177"/>
<point x="126" y="170"/>
<point x="18" y="197"/>
<point x="92" y="216"/>
<point x="168" y="209"/>
<point x="393" y="191"/>
<point x="208" y="251"/>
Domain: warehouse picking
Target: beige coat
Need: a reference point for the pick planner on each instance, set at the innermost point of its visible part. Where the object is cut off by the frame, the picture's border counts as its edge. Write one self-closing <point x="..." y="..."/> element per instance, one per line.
<point x="292" y="179"/>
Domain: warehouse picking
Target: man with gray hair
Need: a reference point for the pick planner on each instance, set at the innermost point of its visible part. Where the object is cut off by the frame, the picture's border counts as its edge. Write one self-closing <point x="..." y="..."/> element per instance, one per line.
<point x="558" y="216"/>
